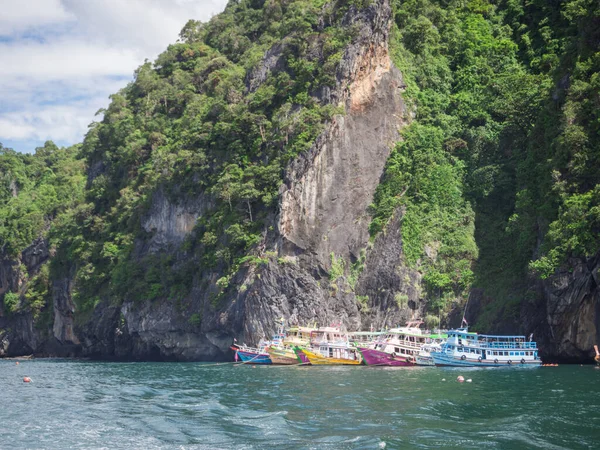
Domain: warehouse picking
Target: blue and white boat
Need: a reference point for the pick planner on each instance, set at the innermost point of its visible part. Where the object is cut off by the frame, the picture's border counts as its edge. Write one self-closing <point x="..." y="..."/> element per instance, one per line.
<point x="259" y="355"/>
<point x="252" y="355"/>
<point x="481" y="350"/>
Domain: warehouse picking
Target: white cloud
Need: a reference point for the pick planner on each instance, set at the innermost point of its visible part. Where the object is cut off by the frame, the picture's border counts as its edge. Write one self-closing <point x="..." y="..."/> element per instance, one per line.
<point x="61" y="59"/>
<point x="21" y="15"/>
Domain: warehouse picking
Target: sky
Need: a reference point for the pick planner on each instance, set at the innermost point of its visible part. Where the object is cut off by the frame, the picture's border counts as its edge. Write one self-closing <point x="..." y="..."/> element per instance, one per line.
<point x="61" y="59"/>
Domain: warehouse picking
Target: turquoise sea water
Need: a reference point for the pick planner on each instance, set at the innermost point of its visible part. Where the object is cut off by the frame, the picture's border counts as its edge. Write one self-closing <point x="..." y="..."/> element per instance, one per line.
<point x="81" y="404"/>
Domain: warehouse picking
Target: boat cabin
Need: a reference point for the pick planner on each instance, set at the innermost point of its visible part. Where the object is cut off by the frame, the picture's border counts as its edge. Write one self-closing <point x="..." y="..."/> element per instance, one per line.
<point x="364" y="338"/>
<point x="298" y="336"/>
<point x="465" y="345"/>
<point x="331" y="335"/>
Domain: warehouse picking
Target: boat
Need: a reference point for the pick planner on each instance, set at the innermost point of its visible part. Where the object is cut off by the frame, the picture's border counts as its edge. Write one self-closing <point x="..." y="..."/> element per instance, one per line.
<point x="424" y="357"/>
<point x="464" y="348"/>
<point x="286" y="355"/>
<point x="280" y="349"/>
<point x="260" y="354"/>
<point x="329" y="345"/>
<point x="331" y="354"/>
<point x="251" y="354"/>
<point x="399" y="346"/>
<point x="296" y="339"/>
<point x="298" y="336"/>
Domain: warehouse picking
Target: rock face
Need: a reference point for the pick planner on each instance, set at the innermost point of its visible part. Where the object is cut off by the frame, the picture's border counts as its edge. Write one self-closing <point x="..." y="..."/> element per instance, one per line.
<point x="394" y="289"/>
<point x="168" y="222"/>
<point x="17" y="333"/>
<point x="323" y="210"/>
<point x="562" y="312"/>
<point x="327" y="192"/>
<point x="565" y="317"/>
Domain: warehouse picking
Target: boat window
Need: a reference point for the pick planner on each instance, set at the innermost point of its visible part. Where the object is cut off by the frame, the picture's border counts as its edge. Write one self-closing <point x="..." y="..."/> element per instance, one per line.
<point x="397" y="349"/>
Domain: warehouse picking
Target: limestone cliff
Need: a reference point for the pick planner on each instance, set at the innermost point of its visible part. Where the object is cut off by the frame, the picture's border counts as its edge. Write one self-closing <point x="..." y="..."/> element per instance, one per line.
<point x="565" y="316"/>
<point x="323" y="211"/>
<point x="315" y="261"/>
<point x="322" y="217"/>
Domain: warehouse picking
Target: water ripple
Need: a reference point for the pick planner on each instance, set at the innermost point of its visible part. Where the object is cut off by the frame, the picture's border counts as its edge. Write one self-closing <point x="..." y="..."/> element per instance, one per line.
<point x="82" y="404"/>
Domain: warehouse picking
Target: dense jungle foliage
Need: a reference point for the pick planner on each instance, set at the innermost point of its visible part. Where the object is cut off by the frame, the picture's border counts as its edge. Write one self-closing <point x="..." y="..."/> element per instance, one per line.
<point x="35" y="189"/>
<point x="506" y="95"/>
<point x="496" y="175"/>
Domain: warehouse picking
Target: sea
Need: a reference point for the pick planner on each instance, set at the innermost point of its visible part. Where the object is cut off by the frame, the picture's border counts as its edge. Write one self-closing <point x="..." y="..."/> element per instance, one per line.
<point x="72" y="404"/>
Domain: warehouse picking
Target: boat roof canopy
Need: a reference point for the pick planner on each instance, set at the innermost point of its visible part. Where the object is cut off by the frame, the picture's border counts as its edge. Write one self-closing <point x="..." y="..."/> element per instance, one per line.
<point x="464" y="332"/>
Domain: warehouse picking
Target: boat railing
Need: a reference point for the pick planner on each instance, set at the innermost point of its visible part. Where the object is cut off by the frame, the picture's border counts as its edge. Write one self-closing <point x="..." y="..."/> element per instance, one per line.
<point x="403" y="343"/>
<point x="496" y="345"/>
<point x="507" y="345"/>
<point x="316" y="342"/>
<point x="246" y="348"/>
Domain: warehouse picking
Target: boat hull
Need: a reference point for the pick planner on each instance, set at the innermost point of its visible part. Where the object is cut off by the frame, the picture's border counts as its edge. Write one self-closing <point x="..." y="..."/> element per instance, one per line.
<point x="301" y="356"/>
<point x="283" y="356"/>
<point x="442" y="359"/>
<point x="425" y="361"/>
<point x="317" y="359"/>
<point x="378" y="358"/>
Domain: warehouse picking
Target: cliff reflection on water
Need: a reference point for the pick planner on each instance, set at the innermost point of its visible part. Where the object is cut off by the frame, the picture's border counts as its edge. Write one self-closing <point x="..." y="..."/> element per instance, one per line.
<point x="191" y="405"/>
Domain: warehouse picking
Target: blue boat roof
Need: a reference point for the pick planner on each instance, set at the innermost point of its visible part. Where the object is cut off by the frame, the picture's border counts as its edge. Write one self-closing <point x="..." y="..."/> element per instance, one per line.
<point x="464" y="331"/>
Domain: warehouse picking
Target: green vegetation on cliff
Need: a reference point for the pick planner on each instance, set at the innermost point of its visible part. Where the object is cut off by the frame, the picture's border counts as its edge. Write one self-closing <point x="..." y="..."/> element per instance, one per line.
<point x="506" y="98"/>
<point x="211" y="118"/>
<point x="36" y="190"/>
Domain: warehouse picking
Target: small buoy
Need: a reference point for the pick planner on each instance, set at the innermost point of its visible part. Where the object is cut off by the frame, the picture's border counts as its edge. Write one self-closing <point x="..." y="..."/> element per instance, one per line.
<point x="469" y="380"/>
<point x="443" y="379"/>
<point x="26" y="380"/>
<point x="460" y="379"/>
<point x="16" y="363"/>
